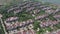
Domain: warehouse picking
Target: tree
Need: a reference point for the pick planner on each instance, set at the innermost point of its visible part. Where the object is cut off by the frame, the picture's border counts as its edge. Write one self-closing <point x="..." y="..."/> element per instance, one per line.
<point x="51" y="17"/>
<point x="36" y="25"/>
<point x="58" y="26"/>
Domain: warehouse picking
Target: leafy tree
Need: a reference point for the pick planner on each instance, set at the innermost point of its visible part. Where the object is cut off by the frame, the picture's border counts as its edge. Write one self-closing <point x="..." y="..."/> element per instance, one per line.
<point x="41" y="12"/>
<point x="58" y="26"/>
<point x="36" y="25"/>
<point x="51" y="17"/>
<point x="49" y="29"/>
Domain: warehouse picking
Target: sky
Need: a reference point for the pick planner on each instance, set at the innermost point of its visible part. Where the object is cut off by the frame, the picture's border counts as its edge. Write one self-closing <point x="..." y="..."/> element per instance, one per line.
<point x="52" y="1"/>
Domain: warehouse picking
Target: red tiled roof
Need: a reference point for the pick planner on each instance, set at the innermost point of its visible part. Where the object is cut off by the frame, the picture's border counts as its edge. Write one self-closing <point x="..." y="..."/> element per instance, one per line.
<point x="24" y="32"/>
<point x="58" y="32"/>
<point x="19" y="33"/>
<point x="30" y="32"/>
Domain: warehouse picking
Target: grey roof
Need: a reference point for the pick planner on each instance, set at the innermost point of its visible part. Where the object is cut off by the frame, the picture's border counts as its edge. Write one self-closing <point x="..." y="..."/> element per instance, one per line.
<point x="11" y="19"/>
<point x="26" y="5"/>
<point x="48" y="23"/>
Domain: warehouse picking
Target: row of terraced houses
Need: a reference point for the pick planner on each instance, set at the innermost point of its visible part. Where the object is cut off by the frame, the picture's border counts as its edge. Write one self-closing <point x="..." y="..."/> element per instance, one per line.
<point x="13" y="26"/>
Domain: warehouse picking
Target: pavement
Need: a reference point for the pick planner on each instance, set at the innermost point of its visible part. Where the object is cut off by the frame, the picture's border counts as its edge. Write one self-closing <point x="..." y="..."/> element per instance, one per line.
<point x="3" y="26"/>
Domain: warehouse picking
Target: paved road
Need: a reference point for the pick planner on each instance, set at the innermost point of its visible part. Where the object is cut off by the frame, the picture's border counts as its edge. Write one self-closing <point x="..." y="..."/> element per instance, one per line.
<point x="3" y="26"/>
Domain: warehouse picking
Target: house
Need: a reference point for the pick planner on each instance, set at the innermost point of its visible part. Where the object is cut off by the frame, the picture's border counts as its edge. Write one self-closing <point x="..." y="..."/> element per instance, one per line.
<point x="48" y="23"/>
<point x="30" y="32"/>
<point x="11" y="19"/>
<point x="10" y="24"/>
<point x="9" y="28"/>
<point x="24" y="3"/>
<point x="57" y="16"/>
<point x="42" y="6"/>
<point x="36" y="11"/>
<point x="29" y="5"/>
<point x="46" y="8"/>
<point x="30" y="21"/>
<point x="17" y="11"/>
<point x="41" y="16"/>
<point x="58" y="31"/>
<point x="29" y="9"/>
<point x="12" y="9"/>
<point x="26" y="6"/>
<point x="27" y="2"/>
<point x="36" y="4"/>
<point x="22" y="31"/>
<point x="14" y="31"/>
<point x="50" y="11"/>
<point x="19" y="33"/>
<point x="57" y="10"/>
<point x="13" y="26"/>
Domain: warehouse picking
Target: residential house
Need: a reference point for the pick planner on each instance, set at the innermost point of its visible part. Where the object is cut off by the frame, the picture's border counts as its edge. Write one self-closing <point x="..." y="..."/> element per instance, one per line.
<point x="46" y="8"/>
<point x="50" y="11"/>
<point x="57" y="16"/>
<point x="36" y="4"/>
<point x="12" y="9"/>
<point x="13" y="26"/>
<point x="17" y="11"/>
<point x="29" y="9"/>
<point x="41" y="16"/>
<point x="36" y="11"/>
<point x="11" y="19"/>
<point x="57" y="10"/>
<point x="42" y="6"/>
<point x="29" y="5"/>
<point x="48" y="23"/>
<point x="22" y="31"/>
